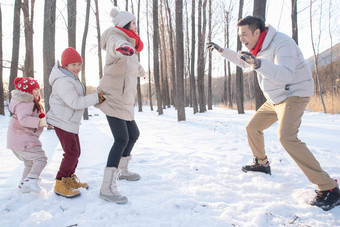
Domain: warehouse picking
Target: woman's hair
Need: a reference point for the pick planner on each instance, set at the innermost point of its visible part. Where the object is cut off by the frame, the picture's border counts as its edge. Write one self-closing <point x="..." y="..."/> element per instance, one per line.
<point x="253" y="23"/>
<point x="127" y="26"/>
<point x="36" y="107"/>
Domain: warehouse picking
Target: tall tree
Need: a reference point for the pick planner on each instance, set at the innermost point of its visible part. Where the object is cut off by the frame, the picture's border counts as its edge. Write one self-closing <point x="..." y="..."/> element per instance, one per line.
<point x="28" y="22"/>
<point x="48" y="47"/>
<point x="316" y="55"/>
<point x="227" y="86"/>
<point x="156" y="56"/>
<point x="209" y="60"/>
<point x="15" y="49"/>
<point x="149" y="66"/>
<point x="180" y="61"/>
<point x="259" y="10"/>
<point x="72" y="23"/>
<point x="172" y="57"/>
<point x="239" y="72"/>
<point x="294" y="22"/>
<point x="99" y="49"/>
<point x="192" y="71"/>
<point x="83" y="51"/>
<point x="2" y="96"/>
<point x="200" y="54"/>
<point x="139" y="93"/>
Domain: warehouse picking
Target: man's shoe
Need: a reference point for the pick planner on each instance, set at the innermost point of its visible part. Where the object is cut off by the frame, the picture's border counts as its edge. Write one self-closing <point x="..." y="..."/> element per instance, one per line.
<point x="326" y="199"/>
<point x="256" y="167"/>
<point x="75" y="182"/>
<point x="63" y="188"/>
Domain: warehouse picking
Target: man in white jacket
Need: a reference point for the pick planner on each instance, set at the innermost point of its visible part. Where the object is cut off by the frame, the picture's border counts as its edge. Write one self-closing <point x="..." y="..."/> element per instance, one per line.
<point x="287" y="83"/>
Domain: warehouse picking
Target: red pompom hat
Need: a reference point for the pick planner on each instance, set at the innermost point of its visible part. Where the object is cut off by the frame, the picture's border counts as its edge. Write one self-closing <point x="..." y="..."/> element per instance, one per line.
<point x="26" y="84"/>
<point x="69" y="56"/>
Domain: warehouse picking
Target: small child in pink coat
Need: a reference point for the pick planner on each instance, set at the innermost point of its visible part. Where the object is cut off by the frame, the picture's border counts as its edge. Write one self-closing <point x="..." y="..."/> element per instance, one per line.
<point x="24" y="129"/>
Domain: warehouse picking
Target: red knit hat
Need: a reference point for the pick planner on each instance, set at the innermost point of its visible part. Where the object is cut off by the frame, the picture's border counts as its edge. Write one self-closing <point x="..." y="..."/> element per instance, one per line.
<point x="69" y="56"/>
<point x="26" y="84"/>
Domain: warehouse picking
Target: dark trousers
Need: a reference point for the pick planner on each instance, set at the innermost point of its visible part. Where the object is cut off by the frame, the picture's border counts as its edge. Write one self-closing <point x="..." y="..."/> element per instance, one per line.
<point x="125" y="134"/>
<point x="71" y="146"/>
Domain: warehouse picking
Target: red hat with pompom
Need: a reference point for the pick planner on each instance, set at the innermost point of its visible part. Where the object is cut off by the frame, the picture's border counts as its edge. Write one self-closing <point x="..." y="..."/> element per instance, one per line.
<point x="26" y="84"/>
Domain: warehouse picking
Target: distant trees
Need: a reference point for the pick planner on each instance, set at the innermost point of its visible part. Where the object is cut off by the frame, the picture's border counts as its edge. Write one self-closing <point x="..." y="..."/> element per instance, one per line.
<point x="2" y="105"/>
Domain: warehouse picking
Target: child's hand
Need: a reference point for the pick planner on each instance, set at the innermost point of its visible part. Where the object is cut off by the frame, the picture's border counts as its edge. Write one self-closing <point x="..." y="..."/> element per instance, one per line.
<point x="125" y="50"/>
<point x="101" y="98"/>
<point x="42" y="123"/>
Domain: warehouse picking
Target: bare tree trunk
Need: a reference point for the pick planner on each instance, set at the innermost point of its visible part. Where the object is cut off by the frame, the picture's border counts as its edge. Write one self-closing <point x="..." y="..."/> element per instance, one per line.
<point x="180" y="61"/>
<point x="315" y="57"/>
<point x="48" y="47"/>
<point x="83" y="55"/>
<point x="100" y="60"/>
<point x="209" y="62"/>
<point x="172" y="54"/>
<point x="331" y="60"/>
<point x="115" y="2"/>
<point x="230" y="102"/>
<point x="192" y="73"/>
<point x="156" y="56"/>
<point x="16" y="44"/>
<point x="139" y="93"/>
<point x="28" y="21"/>
<point x="239" y="72"/>
<point x="259" y="10"/>
<point x="2" y="95"/>
<point x="127" y="5"/>
<point x="149" y="67"/>
<point x="72" y="22"/>
<point x="294" y="22"/>
<point x="188" y="100"/>
<point x="200" y="55"/>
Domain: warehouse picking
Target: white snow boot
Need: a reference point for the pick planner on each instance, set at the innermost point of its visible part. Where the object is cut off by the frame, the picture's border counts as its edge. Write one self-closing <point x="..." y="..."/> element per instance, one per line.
<point x="30" y="185"/>
<point x="108" y="190"/>
<point x="124" y="168"/>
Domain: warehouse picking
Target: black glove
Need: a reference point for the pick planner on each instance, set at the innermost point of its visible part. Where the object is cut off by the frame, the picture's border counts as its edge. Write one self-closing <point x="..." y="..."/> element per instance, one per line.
<point x="250" y="59"/>
<point x="211" y="46"/>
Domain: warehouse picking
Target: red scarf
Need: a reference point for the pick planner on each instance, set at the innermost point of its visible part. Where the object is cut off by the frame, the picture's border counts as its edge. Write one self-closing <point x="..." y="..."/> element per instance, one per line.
<point x="139" y="44"/>
<point x="259" y="43"/>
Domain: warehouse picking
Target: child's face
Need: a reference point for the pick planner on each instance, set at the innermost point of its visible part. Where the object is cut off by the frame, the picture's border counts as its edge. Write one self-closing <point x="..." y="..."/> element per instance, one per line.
<point x="36" y="93"/>
<point x="133" y="26"/>
<point x="74" y="68"/>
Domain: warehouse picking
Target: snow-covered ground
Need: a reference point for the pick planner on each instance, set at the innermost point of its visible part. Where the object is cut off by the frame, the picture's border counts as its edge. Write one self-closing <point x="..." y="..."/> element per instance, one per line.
<point x="191" y="175"/>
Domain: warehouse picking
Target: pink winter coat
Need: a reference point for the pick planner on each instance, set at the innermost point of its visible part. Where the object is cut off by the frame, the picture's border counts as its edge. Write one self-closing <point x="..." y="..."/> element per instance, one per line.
<point x="23" y="129"/>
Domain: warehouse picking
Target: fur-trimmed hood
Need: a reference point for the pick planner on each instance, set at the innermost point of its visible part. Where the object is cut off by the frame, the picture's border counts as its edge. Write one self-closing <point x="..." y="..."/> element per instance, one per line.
<point x="22" y="96"/>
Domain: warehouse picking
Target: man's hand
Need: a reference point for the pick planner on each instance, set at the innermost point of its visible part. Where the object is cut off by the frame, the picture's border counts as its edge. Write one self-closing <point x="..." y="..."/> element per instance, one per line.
<point x="211" y="46"/>
<point x="250" y="59"/>
<point x="125" y="50"/>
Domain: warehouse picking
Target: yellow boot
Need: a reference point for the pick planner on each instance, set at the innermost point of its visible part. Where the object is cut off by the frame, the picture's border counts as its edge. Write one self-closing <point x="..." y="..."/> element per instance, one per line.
<point x="63" y="188"/>
<point x="75" y="182"/>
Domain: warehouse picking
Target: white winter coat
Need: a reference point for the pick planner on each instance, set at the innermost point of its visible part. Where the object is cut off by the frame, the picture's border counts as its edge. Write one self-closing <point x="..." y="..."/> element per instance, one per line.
<point x="67" y="100"/>
<point x="284" y="72"/>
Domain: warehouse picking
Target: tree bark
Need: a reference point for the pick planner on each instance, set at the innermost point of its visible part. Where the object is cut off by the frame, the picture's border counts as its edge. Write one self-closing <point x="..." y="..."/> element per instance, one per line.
<point x="72" y="23"/>
<point x="139" y="93"/>
<point x="239" y="72"/>
<point x="192" y="73"/>
<point x="294" y="22"/>
<point x="100" y="60"/>
<point x="209" y="62"/>
<point x="180" y="61"/>
<point x="15" y="49"/>
<point x="259" y="10"/>
<point x="149" y="66"/>
<point x="156" y="57"/>
<point x="83" y="55"/>
<point x="28" y="22"/>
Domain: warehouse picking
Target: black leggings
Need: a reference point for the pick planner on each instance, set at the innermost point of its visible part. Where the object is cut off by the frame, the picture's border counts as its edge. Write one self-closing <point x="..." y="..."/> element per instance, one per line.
<point x="125" y="134"/>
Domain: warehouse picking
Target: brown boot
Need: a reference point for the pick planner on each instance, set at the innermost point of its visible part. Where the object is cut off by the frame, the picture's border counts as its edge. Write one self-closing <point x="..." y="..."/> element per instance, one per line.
<point x="75" y="182"/>
<point x="63" y="188"/>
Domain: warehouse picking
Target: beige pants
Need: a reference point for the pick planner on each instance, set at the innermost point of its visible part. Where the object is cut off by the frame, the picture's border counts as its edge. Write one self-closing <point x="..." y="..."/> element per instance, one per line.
<point x="34" y="160"/>
<point x="289" y="114"/>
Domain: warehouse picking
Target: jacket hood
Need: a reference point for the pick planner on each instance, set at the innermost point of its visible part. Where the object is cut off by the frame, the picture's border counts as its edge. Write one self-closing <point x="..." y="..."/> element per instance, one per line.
<point x="58" y="72"/>
<point x="113" y="31"/>
<point x="269" y="37"/>
<point x="19" y="97"/>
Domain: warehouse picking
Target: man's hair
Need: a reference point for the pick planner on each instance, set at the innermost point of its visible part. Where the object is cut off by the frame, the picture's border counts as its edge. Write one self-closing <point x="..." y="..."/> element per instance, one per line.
<point x="253" y="23"/>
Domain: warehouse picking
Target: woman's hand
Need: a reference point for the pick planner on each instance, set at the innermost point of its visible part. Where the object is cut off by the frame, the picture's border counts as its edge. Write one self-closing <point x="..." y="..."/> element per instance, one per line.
<point x="125" y="50"/>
